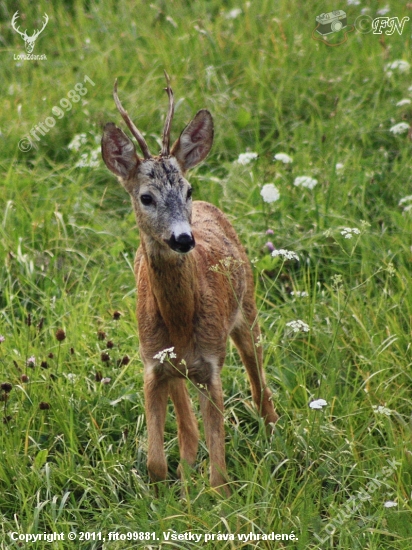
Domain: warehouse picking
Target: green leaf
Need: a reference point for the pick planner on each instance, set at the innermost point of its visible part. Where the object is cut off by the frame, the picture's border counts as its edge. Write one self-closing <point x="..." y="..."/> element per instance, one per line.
<point x="40" y="459"/>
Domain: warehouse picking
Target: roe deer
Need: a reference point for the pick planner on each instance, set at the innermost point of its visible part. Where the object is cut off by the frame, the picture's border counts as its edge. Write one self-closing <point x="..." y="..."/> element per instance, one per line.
<point x="182" y="303"/>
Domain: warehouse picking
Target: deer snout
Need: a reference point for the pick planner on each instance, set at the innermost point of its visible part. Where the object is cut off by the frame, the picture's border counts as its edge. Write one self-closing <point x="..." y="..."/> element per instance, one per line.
<point x="182" y="243"/>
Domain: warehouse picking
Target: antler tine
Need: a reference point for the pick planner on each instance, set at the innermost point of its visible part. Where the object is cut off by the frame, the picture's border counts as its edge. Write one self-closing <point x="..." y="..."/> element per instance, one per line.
<point x="140" y="139"/>
<point x="168" y="123"/>
<point x="17" y="29"/>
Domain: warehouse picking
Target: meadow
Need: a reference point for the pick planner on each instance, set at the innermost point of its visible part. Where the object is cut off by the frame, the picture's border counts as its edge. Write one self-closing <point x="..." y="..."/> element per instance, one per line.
<point x="73" y="436"/>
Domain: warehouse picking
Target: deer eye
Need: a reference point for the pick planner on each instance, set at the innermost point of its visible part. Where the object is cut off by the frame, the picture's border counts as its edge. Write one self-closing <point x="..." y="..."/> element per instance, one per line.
<point x="146" y="200"/>
<point x="189" y="193"/>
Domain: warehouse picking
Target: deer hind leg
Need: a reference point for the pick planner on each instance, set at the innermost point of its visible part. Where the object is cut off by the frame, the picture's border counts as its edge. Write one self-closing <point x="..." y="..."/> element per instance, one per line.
<point x="211" y="406"/>
<point x="245" y="337"/>
<point x="156" y="393"/>
<point x="188" y="433"/>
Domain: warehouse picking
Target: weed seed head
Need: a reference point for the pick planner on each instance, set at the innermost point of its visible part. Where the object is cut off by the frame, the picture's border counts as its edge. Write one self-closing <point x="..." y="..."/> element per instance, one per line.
<point x="60" y="335"/>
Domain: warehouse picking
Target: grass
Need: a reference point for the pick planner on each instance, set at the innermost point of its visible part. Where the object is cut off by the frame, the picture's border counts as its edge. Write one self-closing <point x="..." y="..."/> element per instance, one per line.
<point x="73" y="447"/>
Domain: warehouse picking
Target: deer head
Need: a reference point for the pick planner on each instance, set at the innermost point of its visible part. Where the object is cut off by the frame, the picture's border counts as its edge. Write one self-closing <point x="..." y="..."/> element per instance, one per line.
<point x="161" y="196"/>
<point x="29" y="41"/>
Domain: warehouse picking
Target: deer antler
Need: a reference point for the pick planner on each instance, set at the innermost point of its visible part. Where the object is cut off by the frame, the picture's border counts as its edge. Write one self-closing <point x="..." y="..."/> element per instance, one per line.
<point x="168" y="123"/>
<point x="36" y="34"/>
<point x="140" y="139"/>
<point x="13" y="24"/>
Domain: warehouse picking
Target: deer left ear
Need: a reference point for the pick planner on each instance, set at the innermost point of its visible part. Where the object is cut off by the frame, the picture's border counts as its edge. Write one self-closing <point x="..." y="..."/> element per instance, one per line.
<point x="195" y="141"/>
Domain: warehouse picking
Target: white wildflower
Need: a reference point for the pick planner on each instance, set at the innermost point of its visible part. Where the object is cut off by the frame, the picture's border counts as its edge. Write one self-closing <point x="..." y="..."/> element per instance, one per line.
<point x="339" y="167"/>
<point x="353" y="2"/>
<point x="318" y="404"/>
<point x="71" y="376"/>
<point x="270" y="193"/>
<point x="390" y="504"/>
<point x="408" y="198"/>
<point x="283" y="157"/>
<point x="232" y="14"/>
<point x="384" y="10"/>
<point x="245" y="158"/>
<point x="77" y="142"/>
<point x="299" y="293"/>
<point x="287" y="254"/>
<point x="298" y="326"/>
<point x="31" y="361"/>
<point x="106" y="381"/>
<point x="305" y="181"/>
<point x="398" y="65"/>
<point x="379" y="409"/>
<point x="167" y="353"/>
<point x="403" y="102"/>
<point x="348" y="232"/>
<point x="89" y="160"/>
<point x="406" y="203"/>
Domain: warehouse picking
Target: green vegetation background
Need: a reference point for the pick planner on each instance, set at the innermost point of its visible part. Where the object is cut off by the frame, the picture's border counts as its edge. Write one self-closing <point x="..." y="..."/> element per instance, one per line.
<point x="72" y="448"/>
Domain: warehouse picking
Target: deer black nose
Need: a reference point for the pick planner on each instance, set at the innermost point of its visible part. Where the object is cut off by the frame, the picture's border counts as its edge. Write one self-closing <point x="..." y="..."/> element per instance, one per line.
<point x="182" y="243"/>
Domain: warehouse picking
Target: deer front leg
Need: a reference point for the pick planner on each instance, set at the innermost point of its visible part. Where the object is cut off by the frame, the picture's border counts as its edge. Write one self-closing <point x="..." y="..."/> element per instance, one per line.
<point x="211" y="406"/>
<point x="156" y="393"/>
<point x="188" y="433"/>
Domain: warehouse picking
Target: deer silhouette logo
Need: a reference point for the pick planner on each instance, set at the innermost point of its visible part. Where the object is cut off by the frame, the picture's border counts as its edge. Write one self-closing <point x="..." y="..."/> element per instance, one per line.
<point x="29" y="41"/>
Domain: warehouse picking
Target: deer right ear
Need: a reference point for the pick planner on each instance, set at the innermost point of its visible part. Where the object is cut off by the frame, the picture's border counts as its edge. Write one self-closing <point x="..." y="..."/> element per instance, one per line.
<point x="118" y="152"/>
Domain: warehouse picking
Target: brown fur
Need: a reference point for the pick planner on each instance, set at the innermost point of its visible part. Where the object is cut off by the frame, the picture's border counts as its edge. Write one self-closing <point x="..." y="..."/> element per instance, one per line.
<point x="182" y="302"/>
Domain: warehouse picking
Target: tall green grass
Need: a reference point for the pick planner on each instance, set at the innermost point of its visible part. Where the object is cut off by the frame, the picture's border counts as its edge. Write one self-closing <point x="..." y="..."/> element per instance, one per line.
<point x="73" y="436"/>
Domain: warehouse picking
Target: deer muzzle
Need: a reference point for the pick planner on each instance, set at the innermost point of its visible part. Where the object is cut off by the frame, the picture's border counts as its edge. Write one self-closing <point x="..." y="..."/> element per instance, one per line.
<point x="182" y="243"/>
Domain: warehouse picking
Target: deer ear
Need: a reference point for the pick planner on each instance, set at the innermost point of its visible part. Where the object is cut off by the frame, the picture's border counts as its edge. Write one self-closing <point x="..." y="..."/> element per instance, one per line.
<point x="195" y="141"/>
<point x="118" y="152"/>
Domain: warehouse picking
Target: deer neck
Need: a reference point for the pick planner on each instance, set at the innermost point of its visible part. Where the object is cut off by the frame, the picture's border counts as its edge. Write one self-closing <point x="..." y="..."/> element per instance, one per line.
<point x="174" y="284"/>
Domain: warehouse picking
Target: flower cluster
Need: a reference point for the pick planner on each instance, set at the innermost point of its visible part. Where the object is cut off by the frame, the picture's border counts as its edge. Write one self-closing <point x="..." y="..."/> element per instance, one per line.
<point x="379" y="409"/>
<point x="339" y="167"/>
<point x="407" y="201"/>
<point x="397" y="65"/>
<point x="299" y="293"/>
<point x="399" y="128"/>
<point x="403" y="102"/>
<point x="270" y="193"/>
<point x="348" y="232"/>
<point x="167" y="353"/>
<point x="402" y="67"/>
<point x="318" y="404"/>
<point x="286" y="254"/>
<point x="283" y="157"/>
<point x="77" y="142"/>
<point x="246" y="158"/>
<point x="89" y="160"/>
<point x="298" y="326"/>
<point x="305" y="181"/>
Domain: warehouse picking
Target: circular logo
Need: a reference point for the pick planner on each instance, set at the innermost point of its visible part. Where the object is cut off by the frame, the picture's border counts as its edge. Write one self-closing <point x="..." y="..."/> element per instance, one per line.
<point x="25" y="145"/>
<point x="363" y="24"/>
